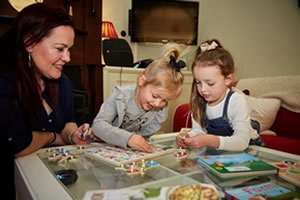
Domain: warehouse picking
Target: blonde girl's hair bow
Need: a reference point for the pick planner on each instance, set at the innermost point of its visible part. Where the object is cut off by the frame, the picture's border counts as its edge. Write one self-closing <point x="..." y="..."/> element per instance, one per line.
<point x="206" y="47"/>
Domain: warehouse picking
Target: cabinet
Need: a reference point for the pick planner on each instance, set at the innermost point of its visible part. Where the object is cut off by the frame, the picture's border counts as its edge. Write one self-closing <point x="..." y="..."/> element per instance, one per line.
<point x="85" y="54"/>
<point x="113" y="76"/>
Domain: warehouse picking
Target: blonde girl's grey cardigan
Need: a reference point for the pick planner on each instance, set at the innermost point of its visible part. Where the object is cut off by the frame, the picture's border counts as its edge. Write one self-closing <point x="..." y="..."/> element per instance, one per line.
<point x="119" y="117"/>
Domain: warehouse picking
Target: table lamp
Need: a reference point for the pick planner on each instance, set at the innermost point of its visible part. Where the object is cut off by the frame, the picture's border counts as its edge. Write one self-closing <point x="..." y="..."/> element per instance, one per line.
<point x="108" y="30"/>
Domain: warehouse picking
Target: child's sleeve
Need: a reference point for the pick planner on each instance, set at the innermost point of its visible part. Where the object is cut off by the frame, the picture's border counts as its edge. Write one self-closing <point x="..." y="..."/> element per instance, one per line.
<point x="103" y="126"/>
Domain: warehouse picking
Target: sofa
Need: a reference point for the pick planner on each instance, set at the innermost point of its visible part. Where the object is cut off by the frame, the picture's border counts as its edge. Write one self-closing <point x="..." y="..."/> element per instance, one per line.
<point x="274" y="102"/>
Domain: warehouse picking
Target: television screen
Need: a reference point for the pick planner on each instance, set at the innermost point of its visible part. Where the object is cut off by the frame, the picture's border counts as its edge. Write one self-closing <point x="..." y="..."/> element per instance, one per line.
<point x="164" y="21"/>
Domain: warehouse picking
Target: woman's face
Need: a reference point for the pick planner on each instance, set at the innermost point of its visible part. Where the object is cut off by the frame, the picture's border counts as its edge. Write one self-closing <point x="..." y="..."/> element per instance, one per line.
<point x="52" y="52"/>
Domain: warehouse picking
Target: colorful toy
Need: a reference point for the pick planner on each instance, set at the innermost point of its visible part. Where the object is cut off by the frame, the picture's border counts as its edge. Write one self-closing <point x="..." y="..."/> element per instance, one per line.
<point x="181" y="154"/>
<point x="118" y="155"/>
<point x="60" y="155"/>
<point x="137" y="168"/>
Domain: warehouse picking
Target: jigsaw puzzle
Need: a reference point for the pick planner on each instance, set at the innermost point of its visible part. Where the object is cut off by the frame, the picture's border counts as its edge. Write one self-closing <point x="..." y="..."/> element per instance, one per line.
<point x="118" y="156"/>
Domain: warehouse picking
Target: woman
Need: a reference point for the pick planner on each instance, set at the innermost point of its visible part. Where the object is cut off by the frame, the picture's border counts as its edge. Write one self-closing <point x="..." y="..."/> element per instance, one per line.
<point x="36" y="100"/>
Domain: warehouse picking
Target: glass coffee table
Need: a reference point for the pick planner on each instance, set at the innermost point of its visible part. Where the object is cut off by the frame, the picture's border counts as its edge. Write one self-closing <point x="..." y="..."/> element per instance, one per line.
<point x="37" y="176"/>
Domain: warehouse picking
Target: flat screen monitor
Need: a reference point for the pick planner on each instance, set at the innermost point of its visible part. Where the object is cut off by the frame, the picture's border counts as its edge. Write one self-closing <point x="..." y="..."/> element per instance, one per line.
<point x="164" y="21"/>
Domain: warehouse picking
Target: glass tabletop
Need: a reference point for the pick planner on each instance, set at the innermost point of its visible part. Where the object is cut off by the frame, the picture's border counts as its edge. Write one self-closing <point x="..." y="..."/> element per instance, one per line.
<point x="95" y="174"/>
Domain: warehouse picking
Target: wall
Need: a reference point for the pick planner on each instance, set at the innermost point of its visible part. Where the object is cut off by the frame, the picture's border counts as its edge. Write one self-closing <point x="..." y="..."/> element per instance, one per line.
<point x="263" y="36"/>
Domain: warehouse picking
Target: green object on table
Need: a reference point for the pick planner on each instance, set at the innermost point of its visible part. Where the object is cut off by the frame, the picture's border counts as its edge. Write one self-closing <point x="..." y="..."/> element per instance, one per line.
<point x="152" y="192"/>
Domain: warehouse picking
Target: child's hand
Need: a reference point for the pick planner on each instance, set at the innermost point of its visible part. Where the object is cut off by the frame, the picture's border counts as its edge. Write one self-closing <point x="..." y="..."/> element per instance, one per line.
<point x="202" y="140"/>
<point x="197" y="141"/>
<point x="180" y="139"/>
<point x="138" y="142"/>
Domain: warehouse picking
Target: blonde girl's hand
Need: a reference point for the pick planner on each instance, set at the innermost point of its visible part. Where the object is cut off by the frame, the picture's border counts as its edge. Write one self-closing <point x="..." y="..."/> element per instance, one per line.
<point x="138" y="142"/>
<point x="180" y="139"/>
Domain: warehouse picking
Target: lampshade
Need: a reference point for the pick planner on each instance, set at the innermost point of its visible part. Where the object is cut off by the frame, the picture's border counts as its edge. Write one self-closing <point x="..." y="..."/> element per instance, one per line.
<point x="108" y="30"/>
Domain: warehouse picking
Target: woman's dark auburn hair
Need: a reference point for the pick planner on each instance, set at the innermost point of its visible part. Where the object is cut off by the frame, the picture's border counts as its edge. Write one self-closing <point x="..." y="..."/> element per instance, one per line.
<point x="34" y="23"/>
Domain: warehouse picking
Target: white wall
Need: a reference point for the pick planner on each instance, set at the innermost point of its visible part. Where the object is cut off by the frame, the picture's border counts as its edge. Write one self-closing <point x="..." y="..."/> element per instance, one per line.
<point x="262" y="35"/>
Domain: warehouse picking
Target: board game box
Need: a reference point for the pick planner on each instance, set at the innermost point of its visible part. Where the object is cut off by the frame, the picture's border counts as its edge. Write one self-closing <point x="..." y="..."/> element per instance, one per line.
<point x="118" y="155"/>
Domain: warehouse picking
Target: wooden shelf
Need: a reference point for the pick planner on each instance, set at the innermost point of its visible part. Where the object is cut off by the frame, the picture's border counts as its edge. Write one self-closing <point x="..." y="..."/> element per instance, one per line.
<point x="4" y="19"/>
<point x="81" y="32"/>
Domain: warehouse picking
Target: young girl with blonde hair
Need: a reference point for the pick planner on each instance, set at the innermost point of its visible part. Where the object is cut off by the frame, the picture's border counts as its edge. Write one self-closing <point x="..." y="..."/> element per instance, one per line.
<point x="132" y="112"/>
<point x="220" y="117"/>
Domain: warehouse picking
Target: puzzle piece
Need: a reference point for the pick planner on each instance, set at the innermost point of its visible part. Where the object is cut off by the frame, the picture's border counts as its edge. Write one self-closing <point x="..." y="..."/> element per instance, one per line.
<point x="137" y="168"/>
<point x="181" y="154"/>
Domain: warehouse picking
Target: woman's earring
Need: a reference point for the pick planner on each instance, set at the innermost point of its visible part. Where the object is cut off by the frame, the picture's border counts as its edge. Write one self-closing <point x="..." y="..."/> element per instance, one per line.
<point x="29" y="60"/>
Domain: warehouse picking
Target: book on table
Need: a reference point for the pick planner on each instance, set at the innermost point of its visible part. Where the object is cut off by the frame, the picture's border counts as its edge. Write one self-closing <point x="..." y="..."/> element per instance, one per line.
<point x="258" y="191"/>
<point x="287" y="196"/>
<point x="236" y="165"/>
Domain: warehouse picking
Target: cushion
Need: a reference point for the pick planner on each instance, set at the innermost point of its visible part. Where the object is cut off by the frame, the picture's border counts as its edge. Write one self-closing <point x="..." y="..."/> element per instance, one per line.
<point x="268" y="132"/>
<point x="263" y="110"/>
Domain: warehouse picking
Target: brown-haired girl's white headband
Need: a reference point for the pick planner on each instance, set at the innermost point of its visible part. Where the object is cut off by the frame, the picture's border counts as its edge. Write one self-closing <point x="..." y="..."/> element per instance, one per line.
<point x="206" y="47"/>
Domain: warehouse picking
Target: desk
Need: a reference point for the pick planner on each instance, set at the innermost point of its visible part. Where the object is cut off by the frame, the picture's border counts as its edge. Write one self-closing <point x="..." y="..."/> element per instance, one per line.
<point x="35" y="177"/>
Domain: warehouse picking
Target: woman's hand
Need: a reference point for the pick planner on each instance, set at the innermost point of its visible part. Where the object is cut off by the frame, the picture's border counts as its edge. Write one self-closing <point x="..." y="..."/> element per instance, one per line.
<point x="138" y="142"/>
<point x="59" y="140"/>
<point x="89" y="135"/>
<point x="82" y="135"/>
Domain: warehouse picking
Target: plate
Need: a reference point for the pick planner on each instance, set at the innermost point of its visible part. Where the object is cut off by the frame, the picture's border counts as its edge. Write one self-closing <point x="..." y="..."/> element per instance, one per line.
<point x="194" y="191"/>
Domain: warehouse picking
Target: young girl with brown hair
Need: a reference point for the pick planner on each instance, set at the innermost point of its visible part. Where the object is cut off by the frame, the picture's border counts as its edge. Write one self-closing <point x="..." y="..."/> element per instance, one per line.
<point x="220" y="117"/>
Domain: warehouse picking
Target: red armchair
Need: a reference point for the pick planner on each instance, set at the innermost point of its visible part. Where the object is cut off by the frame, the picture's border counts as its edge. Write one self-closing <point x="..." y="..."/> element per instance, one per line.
<point x="182" y="117"/>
